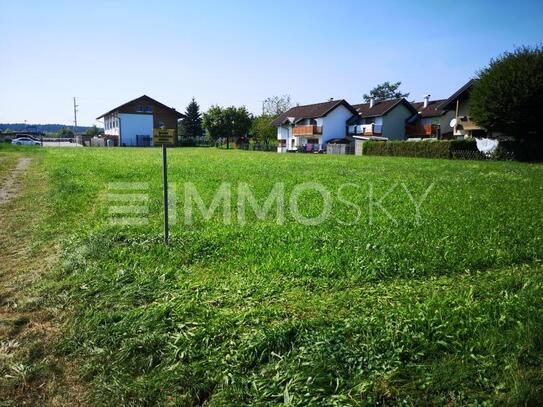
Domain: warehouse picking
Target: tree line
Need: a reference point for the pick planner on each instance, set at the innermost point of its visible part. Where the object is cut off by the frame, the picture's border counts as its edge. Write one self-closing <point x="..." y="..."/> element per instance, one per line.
<point x="233" y="124"/>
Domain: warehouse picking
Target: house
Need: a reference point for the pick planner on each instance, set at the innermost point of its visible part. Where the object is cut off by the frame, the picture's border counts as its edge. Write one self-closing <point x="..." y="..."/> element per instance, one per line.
<point x="462" y="124"/>
<point x="311" y="127"/>
<point x="134" y="123"/>
<point x="431" y="120"/>
<point x="384" y="119"/>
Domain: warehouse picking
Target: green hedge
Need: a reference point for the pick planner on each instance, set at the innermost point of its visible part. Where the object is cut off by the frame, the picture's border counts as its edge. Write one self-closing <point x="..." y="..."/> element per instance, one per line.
<point x="427" y="149"/>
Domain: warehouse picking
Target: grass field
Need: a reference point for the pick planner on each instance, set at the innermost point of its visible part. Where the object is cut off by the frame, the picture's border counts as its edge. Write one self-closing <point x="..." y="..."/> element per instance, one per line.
<point x="368" y="307"/>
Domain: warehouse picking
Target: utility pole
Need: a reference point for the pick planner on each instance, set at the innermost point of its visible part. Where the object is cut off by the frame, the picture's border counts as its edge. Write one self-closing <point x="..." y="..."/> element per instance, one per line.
<point x="75" y="115"/>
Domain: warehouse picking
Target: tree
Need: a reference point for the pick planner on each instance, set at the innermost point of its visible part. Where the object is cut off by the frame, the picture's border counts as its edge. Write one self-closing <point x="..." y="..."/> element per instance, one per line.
<point x="508" y="95"/>
<point x="240" y="120"/>
<point x="93" y="131"/>
<point x="273" y="106"/>
<point x="66" y="132"/>
<point x="263" y="130"/>
<point x="191" y="124"/>
<point x="230" y="123"/>
<point x="384" y="91"/>
<point x="214" y="122"/>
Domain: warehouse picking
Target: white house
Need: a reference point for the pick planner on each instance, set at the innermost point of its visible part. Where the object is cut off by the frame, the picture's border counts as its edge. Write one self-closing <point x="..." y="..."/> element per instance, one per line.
<point x="311" y="127"/>
<point x="133" y="123"/>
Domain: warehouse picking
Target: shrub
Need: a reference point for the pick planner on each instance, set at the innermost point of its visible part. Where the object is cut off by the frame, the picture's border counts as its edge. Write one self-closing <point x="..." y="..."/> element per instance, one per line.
<point x="523" y="150"/>
<point x="469" y="144"/>
<point x="427" y="149"/>
<point x="508" y="95"/>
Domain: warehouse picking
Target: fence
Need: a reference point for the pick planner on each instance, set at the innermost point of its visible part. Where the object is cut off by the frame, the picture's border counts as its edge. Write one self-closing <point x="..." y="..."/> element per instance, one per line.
<point x="468" y="155"/>
<point x="339" y="149"/>
<point x="257" y="147"/>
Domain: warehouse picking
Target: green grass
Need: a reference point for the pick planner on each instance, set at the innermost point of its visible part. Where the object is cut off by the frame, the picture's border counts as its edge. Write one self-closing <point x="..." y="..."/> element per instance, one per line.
<point x="448" y="309"/>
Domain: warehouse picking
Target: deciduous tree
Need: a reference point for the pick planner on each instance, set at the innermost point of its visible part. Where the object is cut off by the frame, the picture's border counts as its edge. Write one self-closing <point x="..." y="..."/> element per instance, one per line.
<point x="273" y="106"/>
<point x="384" y="91"/>
<point x="508" y="95"/>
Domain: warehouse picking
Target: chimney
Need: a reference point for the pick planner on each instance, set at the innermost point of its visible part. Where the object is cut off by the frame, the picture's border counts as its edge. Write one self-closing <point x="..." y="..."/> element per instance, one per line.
<point x="331" y="99"/>
<point x="426" y="100"/>
<point x="372" y="100"/>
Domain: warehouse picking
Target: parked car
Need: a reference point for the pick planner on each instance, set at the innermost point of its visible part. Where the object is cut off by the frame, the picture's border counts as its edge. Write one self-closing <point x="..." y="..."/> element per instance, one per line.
<point x="25" y="141"/>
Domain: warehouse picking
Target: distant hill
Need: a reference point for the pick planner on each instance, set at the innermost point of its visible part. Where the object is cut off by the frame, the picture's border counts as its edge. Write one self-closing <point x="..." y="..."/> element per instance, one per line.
<point x="45" y="128"/>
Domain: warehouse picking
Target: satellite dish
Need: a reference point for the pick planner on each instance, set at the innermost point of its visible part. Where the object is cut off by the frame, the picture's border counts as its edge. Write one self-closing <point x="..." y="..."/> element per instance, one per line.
<point x="452" y="123"/>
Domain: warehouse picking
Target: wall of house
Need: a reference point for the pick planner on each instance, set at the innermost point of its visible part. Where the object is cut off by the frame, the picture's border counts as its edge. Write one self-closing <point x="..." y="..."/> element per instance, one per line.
<point x="394" y="122"/>
<point x="334" y="124"/>
<point x="111" y="124"/>
<point x="285" y="133"/>
<point x="160" y="115"/>
<point x="134" y="125"/>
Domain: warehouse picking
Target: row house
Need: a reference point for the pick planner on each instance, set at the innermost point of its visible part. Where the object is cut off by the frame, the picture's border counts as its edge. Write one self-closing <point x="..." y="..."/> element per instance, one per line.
<point x="311" y="127"/>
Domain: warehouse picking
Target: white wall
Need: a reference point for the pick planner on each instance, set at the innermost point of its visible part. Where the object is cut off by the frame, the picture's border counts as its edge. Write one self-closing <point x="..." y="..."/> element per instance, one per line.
<point x="133" y="125"/>
<point x="111" y="126"/>
<point x="334" y="124"/>
<point x="394" y="122"/>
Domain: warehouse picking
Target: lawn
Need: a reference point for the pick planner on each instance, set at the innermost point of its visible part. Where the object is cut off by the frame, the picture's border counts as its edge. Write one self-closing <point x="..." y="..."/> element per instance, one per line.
<point x="423" y="285"/>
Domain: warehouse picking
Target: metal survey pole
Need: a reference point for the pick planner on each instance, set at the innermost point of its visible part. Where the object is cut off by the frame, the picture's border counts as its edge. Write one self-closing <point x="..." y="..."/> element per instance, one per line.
<point x="165" y="189"/>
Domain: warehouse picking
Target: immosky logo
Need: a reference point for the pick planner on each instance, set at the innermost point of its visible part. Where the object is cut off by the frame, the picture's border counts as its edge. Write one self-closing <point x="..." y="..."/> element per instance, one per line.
<point x="129" y="203"/>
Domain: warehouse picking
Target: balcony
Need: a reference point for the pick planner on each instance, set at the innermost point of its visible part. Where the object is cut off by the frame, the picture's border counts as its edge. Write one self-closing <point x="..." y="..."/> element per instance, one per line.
<point x="422" y="130"/>
<point x="310" y="130"/>
<point x="366" y="129"/>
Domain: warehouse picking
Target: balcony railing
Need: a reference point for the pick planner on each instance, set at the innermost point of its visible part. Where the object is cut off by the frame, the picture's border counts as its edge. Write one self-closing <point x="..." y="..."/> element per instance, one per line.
<point x="366" y="129"/>
<point x="309" y="130"/>
<point x="422" y="130"/>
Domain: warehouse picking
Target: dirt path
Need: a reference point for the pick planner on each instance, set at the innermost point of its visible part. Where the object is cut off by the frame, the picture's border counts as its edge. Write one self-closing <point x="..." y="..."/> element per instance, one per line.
<point x="11" y="186"/>
<point x="31" y="370"/>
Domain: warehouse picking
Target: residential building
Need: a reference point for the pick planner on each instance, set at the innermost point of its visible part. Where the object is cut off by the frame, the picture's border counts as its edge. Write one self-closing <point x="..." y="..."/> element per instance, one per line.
<point x="133" y="123"/>
<point x="462" y="124"/>
<point x="431" y="120"/>
<point x="311" y="127"/>
<point x="384" y="119"/>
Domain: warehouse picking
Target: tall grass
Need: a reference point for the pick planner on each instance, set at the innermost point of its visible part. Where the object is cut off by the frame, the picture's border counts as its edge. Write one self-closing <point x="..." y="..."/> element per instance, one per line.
<point x="445" y="310"/>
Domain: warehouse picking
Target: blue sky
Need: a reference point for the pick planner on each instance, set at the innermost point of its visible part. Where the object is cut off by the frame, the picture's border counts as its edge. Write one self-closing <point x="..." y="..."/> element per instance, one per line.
<point x="240" y="52"/>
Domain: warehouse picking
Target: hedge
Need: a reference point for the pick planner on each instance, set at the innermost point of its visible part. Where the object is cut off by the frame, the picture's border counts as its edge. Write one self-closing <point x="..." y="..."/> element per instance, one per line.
<point x="428" y="149"/>
<point x="527" y="150"/>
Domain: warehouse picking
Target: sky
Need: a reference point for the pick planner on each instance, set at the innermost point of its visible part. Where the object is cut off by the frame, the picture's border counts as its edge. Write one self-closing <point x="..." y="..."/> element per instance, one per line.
<point x="240" y="52"/>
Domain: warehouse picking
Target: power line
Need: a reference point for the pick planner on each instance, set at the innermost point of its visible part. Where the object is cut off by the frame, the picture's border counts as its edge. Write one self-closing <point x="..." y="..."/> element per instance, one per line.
<point x="75" y="116"/>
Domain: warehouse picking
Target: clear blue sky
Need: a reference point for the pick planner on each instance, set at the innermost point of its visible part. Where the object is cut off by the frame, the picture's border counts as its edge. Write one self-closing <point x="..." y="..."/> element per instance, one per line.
<point x="239" y="52"/>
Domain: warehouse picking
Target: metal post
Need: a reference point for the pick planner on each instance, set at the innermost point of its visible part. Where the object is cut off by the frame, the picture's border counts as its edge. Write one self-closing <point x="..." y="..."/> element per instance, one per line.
<point x="165" y="189"/>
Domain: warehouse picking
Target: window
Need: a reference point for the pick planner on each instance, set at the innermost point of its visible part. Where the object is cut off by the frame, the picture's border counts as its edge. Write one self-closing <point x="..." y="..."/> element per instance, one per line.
<point x="139" y="109"/>
<point x="148" y="109"/>
<point x="161" y="125"/>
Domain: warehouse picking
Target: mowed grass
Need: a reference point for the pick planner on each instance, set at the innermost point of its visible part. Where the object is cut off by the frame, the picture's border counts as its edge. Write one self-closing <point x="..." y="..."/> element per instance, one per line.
<point x="367" y="307"/>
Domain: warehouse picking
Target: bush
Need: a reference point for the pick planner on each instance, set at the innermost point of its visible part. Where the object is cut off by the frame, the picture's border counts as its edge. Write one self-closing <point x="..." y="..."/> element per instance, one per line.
<point x="427" y="149"/>
<point x="508" y="95"/>
<point x="523" y="150"/>
<point x="464" y="145"/>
